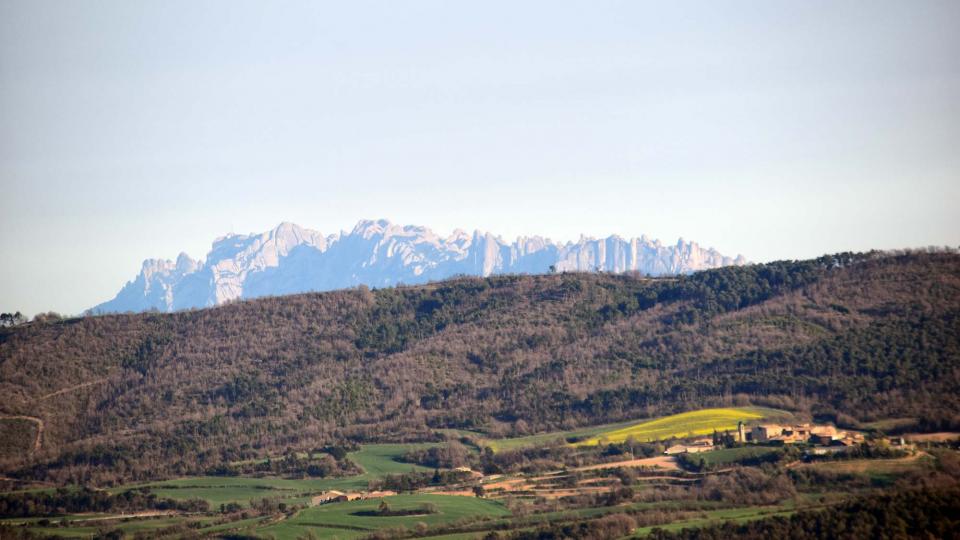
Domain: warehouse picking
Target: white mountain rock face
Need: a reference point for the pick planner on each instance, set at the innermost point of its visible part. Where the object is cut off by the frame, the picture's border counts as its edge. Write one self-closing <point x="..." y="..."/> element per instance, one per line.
<point x="290" y="259"/>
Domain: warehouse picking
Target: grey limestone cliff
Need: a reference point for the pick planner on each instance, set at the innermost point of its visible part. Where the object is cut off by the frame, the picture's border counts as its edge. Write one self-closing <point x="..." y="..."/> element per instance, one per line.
<point x="291" y="259"/>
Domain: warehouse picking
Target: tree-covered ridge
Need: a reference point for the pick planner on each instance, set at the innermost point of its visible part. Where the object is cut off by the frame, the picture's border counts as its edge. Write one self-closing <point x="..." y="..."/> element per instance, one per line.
<point x="864" y="336"/>
<point x="922" y="513"/>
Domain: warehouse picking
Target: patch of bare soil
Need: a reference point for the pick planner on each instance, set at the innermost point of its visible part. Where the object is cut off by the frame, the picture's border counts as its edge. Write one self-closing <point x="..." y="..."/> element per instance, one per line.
<point x="458" y="493"/>
<point x="663" y="462"/>
<point x="505" y="484"/>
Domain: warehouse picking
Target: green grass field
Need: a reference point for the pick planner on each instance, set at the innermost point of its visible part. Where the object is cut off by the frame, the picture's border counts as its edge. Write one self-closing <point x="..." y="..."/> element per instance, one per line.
<point x="348" y="519"/>
<point x="66" y="532"/>
<point x="736" y="515"/>
<point x="355" y="519"/>
<point x="879" y="470"/>
<point x="89" y="526"/>
<point x="376" y="460"/>
<point x="380" y="459"/>
<point x="727" y="456"/>
<point x="218" y="490"/>
<point x="688" y="424"/>
<point x="700" y="422"/>
<point x="243" y="524"/>
<point x="542" y="438"/>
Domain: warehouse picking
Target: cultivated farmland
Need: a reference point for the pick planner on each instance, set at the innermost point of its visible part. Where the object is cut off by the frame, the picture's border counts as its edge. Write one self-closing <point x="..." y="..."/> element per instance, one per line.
<point x="688" y="424"/>
<point x="359" y="518"/>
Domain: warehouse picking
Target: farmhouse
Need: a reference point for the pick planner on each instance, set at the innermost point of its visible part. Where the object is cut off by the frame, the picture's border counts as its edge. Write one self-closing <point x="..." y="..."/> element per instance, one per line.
<point x="467" y="470"/>
<point x="777" y="434"/>
<point x="764" y="432"/>
<point x="791" y="435"/>
<point x="824" y="431"/>
<point x="700" y="445"/>
<point x="327" y="496"/>
<point x="344" y="497"/>
<point x="845" y="441"/>
<point x="339" y="496"/>
<point x="825" y="435"/>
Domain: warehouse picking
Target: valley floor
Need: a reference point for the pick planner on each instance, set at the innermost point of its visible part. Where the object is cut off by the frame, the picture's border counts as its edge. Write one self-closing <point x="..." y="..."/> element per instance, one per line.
<point x="647" y="493"/>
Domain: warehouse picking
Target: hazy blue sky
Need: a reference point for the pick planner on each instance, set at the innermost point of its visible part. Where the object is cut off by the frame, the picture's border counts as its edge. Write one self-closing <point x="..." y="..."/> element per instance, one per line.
<point x="134" y="129"/>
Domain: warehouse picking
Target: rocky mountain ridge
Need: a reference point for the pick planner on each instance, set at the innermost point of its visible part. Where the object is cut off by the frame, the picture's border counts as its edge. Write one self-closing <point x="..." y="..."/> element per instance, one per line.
<point x="291" y="259"/>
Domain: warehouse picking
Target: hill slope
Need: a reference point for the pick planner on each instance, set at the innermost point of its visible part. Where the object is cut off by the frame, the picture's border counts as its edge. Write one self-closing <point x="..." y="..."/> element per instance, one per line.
<point x="863" y="336"/>
<point x="290" y="259"/>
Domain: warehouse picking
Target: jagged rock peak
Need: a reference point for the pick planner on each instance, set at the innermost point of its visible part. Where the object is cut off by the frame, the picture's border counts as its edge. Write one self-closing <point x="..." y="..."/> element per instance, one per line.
<point x="290" y="259"/>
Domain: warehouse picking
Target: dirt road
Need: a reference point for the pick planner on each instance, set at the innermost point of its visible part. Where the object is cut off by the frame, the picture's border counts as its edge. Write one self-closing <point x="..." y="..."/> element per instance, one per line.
<point x="70" y="389"/>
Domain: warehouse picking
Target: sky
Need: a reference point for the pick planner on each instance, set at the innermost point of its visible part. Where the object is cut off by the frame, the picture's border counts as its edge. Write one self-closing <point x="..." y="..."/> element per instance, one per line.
<point x="776" y="130"/>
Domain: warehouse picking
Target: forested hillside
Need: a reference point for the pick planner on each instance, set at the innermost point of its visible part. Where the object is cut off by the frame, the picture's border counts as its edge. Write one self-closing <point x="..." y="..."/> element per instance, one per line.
<point x="856" y="337"/>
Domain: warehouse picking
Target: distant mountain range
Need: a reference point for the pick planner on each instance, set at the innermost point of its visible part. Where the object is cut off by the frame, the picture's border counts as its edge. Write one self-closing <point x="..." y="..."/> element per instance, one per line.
<point x="291" y="259"/>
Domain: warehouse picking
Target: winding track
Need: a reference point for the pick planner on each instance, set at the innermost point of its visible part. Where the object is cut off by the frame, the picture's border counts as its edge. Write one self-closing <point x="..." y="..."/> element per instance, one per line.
<point x="38" y="441"/>
<point x="70" y="389"/>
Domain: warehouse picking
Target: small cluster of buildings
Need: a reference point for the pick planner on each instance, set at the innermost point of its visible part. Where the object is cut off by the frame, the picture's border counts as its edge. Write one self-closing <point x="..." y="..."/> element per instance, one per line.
<point x="818" y="435"/>
<point x="339" y="496"/>
<point x="467" y="471"/>
<point x="823" y="435"/>
<point x="697" y="446"/>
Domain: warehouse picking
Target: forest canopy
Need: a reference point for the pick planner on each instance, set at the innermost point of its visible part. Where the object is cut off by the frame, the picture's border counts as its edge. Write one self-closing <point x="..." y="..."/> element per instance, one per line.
<point x="850" y="337"/>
